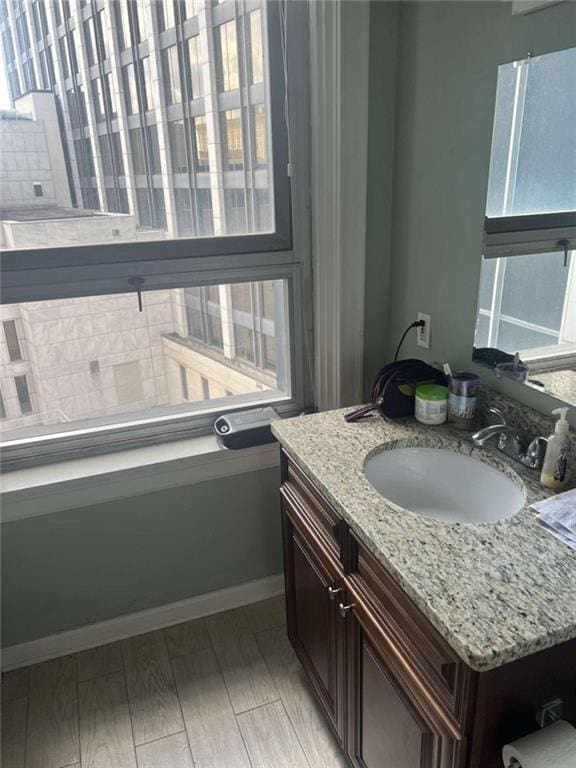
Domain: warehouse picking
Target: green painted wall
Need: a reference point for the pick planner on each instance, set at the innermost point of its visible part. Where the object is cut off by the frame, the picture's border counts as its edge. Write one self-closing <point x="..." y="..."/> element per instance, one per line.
<point x="64" y="570"/>
<point x="381" y="126"/>
<point x="448" y="55"/>
<point x="429" y="144"/>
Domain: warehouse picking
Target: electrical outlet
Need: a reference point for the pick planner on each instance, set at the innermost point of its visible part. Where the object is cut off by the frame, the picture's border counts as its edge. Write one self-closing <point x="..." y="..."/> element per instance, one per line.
<point x="423" y="331"/>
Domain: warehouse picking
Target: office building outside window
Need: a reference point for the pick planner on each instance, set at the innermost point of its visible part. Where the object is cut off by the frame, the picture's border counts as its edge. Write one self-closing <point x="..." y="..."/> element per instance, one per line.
<point x="256" y="57"/>
<point x="165" y="14"/>
<point x="233" y="159"/>
<point x="202" y="159"/>
<point x="130" y="89"/>
<point x="23" y="394"/>
<point x="170" y="68"/>
<point x="147" y="128"/>
<point x="103" y="71"/>
<point x="123" y="22"/>
<point x="259" y="127"/>
<point x="195" y="67"/>
<point x="227" y="57"/>
<point x="12" y="342"/>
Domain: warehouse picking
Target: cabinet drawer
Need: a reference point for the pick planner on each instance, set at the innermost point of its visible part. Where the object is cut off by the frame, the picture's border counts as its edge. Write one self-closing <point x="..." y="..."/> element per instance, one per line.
<point x="328" y="526"/>
<point x="410" y="633"/>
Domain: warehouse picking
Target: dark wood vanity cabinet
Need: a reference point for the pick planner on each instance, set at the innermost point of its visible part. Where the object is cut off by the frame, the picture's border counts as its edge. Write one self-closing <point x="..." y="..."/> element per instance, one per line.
<point x="388" y="725"/>
<point x="395" y="693"/>
<point x="312" y="597"/>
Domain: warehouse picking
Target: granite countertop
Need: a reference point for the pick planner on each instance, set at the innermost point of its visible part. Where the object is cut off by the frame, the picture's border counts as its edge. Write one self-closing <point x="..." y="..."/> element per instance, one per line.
<point x="561" y="384"/>
<point x="494" y="591"/>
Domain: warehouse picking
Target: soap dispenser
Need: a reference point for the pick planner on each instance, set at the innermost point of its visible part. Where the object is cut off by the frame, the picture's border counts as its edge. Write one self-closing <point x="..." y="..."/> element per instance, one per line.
<point x="555" y="470"/>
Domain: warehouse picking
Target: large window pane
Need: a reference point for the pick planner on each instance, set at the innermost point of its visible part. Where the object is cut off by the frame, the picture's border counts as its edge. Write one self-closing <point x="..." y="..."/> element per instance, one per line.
<point x="196" y="90"/>
<point x="171" y="75"/>
<point x="202" y="162"/>
<point x="259" y="129"/>
<point x="98" y="360"/>
<point x="234" y="151"/>
<point x="526" y="302"/>
<point x="148" y="88"/>
<point x="123" y="22"/>
<point x="533" y="162"/>
<point x="227" y="57"/>
<point x="165" y="13"/>
<point x="178" y="149"/>
<point x="164" y="83"/>
<point x="90" y="41"/>
<point x="256" y="57"/>
<point x="235" y="211"/>
<point x="130" y="90"/>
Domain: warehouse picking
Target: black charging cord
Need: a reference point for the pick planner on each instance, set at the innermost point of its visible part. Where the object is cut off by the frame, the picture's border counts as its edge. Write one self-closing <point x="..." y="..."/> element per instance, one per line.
<point x="415" y="324"/>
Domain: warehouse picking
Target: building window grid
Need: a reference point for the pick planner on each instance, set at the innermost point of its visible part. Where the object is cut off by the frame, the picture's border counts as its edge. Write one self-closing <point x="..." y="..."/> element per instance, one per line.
<point x="12" y="340"/>
<point x="23" y="393"/>
<point x="253" y="330"/>
<point x="240" y="68"/>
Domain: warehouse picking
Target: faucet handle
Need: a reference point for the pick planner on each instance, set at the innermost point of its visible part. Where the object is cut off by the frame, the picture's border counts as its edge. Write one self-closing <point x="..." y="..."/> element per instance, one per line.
<point x="498" y="412"/>
<point x="534" y="456"/>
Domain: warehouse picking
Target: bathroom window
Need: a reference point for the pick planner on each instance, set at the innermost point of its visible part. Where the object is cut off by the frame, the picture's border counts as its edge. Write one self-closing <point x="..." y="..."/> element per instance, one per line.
<point x="155" y="367"/>
<point x="531" y="201"/>
<point x="527" y="300"/>
<point x="196" y="199"/>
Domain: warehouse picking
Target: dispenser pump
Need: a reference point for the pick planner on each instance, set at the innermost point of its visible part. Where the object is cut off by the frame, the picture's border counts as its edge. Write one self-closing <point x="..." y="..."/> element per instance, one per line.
<point x="562" y="426"/>
<point x="556" y="469"/>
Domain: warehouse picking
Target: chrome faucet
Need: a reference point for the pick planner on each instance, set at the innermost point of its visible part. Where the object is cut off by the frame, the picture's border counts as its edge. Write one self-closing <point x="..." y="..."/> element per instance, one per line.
<point x="515" y="442"/>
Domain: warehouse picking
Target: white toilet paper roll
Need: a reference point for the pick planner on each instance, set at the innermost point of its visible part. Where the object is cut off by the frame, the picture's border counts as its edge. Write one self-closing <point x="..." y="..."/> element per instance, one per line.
<point x="552" y="747"/>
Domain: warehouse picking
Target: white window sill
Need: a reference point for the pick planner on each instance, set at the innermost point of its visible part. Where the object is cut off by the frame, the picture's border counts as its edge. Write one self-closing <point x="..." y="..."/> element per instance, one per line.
<point x="95" y="479"/>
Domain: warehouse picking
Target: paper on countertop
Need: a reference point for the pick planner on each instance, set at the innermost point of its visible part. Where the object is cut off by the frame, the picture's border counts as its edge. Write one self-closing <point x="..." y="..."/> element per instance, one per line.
<point x="558" y="516"/>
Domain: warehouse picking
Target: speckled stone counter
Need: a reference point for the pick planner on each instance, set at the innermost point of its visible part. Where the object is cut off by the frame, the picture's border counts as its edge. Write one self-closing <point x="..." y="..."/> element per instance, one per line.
<point x="494" y="591"/>
<point x="561" y="384"/>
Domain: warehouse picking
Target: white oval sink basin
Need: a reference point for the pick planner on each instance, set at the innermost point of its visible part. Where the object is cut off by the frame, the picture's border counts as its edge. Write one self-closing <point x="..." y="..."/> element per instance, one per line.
<point x="444" y="485"/>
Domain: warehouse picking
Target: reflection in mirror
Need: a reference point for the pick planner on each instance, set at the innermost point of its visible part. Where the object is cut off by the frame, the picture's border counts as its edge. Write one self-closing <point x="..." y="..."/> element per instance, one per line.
<point x="526" y="319"/>
<point x="527" y="313"/>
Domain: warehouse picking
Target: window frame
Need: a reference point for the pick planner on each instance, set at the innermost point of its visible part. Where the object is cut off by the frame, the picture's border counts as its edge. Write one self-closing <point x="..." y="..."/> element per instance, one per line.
<point x="76" y="271"/>
<point x="25" y="270"/>
<point x="532" y="233"/>
<point x="517" y="235"/>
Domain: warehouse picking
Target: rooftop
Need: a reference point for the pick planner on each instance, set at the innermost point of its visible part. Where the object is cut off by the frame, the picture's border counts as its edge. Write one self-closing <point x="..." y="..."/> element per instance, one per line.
<point x="46" y="213"/>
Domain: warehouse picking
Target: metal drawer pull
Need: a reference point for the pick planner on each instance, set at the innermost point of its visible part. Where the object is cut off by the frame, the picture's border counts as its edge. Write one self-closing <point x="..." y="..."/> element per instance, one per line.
<point x="333" y="592"/>
<point x="344" y="609"/>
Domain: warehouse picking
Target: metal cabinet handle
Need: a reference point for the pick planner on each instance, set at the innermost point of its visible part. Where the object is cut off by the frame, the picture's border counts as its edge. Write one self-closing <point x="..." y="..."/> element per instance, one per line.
<point x="344" y="609"/>
<point x="333" y="592"/>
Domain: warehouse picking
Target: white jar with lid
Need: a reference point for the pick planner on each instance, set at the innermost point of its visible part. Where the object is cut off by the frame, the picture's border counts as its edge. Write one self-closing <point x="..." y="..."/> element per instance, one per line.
<point x="431" y="404"/>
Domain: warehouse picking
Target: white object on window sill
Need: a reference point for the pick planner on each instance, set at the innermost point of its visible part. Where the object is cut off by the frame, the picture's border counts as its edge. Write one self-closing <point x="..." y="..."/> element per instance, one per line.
<point x="96" y="479"/>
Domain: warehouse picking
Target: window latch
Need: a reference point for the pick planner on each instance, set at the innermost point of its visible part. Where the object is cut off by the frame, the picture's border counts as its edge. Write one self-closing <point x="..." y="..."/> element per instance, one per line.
<point x="565" y="244"/>
<point x="137" y="283"/>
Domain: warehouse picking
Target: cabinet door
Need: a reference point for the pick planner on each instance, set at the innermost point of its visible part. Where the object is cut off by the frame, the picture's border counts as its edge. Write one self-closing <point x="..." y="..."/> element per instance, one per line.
<point x="388" y="725"/>
<point x="314" y="629"/>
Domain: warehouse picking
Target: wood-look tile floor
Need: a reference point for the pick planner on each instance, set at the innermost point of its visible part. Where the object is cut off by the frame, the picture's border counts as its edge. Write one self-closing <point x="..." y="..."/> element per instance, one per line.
<point x="222" y="692"/>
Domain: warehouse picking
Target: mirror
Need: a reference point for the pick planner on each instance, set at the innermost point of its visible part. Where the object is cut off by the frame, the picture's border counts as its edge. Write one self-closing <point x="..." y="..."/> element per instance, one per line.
<point x="526" y="316"/>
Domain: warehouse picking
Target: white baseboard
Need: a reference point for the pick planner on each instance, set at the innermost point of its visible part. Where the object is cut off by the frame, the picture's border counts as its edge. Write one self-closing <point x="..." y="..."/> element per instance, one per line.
<point x="131" y="624"/>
